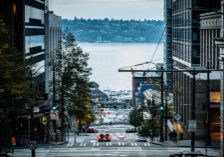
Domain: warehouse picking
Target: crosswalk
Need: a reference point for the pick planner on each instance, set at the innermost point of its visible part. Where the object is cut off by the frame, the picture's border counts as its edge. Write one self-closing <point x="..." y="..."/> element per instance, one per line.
<point x="108" y="144"/>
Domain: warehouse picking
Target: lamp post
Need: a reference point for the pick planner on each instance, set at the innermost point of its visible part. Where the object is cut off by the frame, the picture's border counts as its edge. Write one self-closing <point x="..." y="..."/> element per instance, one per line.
<point x="32" y="122"/>
<point x="208" y="131"/>
<point x="162" y="111"/>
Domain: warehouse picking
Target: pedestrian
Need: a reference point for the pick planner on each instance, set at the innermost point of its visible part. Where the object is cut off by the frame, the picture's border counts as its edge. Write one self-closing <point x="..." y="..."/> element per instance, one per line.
<point x="174" y="136"/>
<point x="171" y="136"/>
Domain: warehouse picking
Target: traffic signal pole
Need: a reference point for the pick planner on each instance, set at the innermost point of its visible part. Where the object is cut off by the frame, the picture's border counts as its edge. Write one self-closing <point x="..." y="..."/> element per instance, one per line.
<point x="208" y="122"/>
<point x="193" y="111"/>
<point x="166" y="113"/>
<point x="162" y="111"/>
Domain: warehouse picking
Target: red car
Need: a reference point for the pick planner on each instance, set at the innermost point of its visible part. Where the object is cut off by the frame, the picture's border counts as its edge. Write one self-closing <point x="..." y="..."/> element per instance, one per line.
<point x="104" y="138"/>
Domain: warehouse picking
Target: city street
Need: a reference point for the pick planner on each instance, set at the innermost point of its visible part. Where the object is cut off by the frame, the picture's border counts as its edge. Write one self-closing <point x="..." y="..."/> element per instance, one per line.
<point x="87" y="145"/>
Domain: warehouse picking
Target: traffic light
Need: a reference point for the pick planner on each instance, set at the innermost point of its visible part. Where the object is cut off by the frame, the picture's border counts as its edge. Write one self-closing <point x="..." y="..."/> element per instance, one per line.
<point x="102" y="107"/>
<point x="161" y="108"/>
<point x="53" y="107"/>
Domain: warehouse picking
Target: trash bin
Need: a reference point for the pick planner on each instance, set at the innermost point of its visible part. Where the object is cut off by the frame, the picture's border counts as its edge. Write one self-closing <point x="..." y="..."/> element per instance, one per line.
<point x="22" y="142"/>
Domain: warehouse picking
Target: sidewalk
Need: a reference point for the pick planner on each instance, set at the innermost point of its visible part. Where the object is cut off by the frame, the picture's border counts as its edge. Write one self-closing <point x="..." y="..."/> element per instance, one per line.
<point x="186" y="143"/>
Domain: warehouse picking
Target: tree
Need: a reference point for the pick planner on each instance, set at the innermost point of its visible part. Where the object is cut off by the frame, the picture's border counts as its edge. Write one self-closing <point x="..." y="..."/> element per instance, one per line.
<point x="15" y="82"/>
<point x="149" y="128"/>
<point x="73" y="83"/>
<point x="135" y="118"/>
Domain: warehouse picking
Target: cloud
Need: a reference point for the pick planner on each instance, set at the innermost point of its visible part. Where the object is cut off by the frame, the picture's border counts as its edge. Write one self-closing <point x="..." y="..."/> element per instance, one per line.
<point x="138" y="9"/>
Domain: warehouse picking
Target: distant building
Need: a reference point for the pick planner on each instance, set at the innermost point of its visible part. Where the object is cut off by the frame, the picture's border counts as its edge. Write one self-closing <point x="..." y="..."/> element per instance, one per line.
<point x="139" y="79"/>
<point x="97" y="96"/>
<point x="53" y="39"/>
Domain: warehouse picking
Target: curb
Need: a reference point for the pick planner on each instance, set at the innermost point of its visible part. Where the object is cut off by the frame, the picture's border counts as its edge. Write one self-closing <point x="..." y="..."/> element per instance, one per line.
<point x="161" y="144"/>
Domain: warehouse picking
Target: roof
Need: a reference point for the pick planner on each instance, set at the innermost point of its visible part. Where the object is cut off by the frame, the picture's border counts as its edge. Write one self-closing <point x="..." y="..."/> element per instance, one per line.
<point x="149" y="74"/>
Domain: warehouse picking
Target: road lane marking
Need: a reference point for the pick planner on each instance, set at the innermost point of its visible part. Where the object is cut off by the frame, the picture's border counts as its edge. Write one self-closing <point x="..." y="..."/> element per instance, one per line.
<point x="136" y="144"/>
<point x="84" y="144"/>
<point x="107" y="144"/>
<point x="132" y="144"/>
<point x="119" y="143"/>
<point x="148" y="144"/>
<point x="123" y="143"/>
<point x="145" y="144"/>
<point x="98" y="144"/>
<point x="94" y="144"/>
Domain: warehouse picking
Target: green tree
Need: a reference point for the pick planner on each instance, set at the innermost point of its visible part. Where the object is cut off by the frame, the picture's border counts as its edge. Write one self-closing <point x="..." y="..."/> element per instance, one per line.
<point x="149" y="128"/>
<point x="15" y="81"/>
<point x="135" y="118"/>
<point x="73" y="84"/>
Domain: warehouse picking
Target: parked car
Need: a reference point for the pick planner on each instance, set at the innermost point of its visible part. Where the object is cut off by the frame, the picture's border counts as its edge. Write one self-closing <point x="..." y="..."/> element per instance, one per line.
<point x="121" y="138"/>
<point x="131" y="130"/>
<point x="141" y="139"/>
<point x="92" y="130"/>
<point x="104" y="138"/>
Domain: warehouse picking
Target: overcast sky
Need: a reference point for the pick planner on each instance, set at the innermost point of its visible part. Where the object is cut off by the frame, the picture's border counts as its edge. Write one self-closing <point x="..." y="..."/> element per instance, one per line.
<point x="117" y="9"/>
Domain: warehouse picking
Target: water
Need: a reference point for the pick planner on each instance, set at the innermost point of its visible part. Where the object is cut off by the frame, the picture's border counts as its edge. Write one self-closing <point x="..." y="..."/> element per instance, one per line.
<point x="107" y="58"/>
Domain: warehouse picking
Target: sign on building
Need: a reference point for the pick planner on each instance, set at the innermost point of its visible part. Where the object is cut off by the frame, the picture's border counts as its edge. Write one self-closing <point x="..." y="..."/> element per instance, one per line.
<point x="54" y="115"/>
<point x="192" y="125"/>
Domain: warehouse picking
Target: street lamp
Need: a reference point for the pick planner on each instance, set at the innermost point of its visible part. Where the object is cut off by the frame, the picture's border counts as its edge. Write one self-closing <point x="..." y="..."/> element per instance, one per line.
<point x="32" y="138"/>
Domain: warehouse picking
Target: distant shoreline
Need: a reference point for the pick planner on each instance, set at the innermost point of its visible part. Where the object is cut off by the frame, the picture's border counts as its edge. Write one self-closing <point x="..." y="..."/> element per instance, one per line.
<point x="119" y="42"/>
<point x="115" y="31"/>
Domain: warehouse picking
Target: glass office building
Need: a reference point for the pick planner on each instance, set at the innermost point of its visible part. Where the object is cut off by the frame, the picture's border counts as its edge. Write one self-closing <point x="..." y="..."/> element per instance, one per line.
<point x="35" y="38"/>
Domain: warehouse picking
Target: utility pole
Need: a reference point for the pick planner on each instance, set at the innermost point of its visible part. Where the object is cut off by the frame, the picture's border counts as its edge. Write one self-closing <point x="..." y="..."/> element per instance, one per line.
<point x="33" y="153"/>
<point x="193" y="111"/>
<point x="162" y="111"/>
<point x="166" y="112"/>
<point x="208" y="132"/>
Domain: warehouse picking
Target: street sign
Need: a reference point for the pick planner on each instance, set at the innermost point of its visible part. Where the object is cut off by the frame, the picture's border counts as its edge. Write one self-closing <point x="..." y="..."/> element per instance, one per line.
<point x="192" y="125"/>
<point x="32" y="145"/>
<point x="54" y="115"/>
<point x="147" y="115"/>
<point x="177" y="117"/>
<point x="36" y="109"/>
<point x="43" y="120"/>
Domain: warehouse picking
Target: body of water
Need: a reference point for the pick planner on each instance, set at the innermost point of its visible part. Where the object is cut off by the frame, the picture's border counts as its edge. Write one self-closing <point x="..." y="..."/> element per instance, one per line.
<point x="107" y="58"/>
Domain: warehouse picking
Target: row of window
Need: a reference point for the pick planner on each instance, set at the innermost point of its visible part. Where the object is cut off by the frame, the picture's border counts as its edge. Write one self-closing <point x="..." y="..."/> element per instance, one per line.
<point x="182" y="19"/>
<point x="35" y="34"/>
<point x="180" y="5"/>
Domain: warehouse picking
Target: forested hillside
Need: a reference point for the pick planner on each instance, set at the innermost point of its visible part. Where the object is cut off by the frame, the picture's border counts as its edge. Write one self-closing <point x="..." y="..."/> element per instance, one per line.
<point x="97" y="30"/>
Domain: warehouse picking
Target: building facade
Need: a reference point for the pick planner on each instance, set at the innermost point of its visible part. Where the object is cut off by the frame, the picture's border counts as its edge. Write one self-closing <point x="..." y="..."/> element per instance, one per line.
<point x="168" y="62"/>
<point x="220" y="43"/>
<point x="186" y="55"/>
<point x="53" y="39"/>
<point x="210" y="25"/>
<point x="35" y="40"/>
